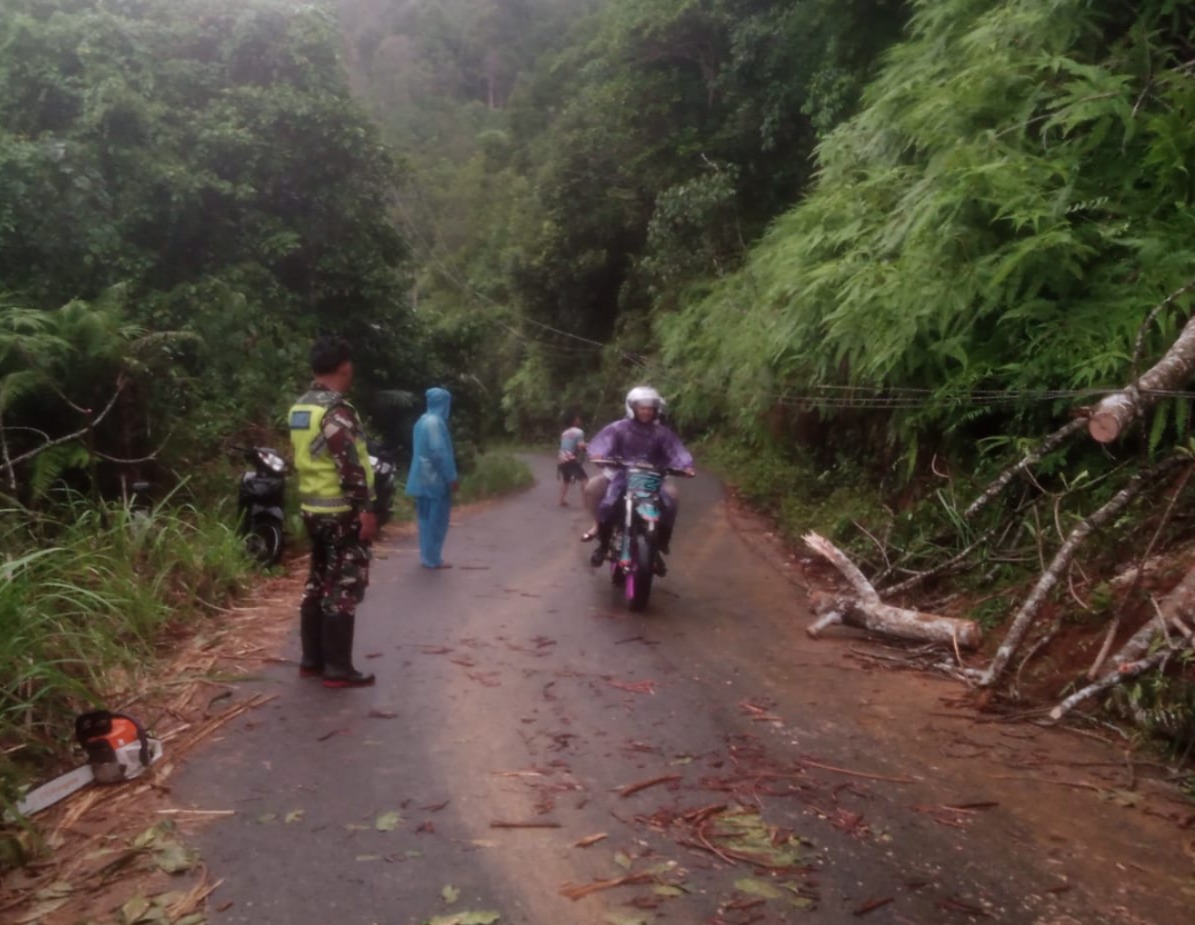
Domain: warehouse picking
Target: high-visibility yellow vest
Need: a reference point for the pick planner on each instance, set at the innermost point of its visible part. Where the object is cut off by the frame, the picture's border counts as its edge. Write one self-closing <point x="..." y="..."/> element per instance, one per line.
<point x="320" y="491"/>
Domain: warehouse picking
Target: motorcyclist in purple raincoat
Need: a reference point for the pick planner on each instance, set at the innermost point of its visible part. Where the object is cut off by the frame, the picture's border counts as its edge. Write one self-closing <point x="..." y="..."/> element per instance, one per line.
<point x="638" y="437"/>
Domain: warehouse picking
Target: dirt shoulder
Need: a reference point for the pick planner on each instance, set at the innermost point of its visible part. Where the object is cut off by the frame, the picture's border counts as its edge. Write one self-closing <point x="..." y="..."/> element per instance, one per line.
<point x="1082" y="795"/>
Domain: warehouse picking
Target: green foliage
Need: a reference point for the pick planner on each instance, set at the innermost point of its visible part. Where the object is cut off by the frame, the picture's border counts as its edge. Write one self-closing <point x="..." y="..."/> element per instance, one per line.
<point x="494" y="474"/>
<point x="577" y="165"/>
<point x="88" y="592"/>
<point x="204" y="159"/>
<point x="1163" y="704"/>
<point x="1000" y="216"/>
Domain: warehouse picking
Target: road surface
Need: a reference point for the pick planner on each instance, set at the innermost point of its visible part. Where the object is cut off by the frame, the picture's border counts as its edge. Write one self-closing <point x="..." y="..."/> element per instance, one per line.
<point x="519" y="705"/>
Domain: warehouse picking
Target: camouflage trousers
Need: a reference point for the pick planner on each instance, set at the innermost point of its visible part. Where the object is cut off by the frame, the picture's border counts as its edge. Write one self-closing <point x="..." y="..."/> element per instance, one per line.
<point x="339" y="572"/>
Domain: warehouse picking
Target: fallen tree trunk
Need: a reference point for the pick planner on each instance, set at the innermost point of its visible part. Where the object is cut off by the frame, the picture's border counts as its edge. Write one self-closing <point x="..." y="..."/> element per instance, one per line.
<point x="1113" y="413"/>
<point x="1063" y="558"/>
<point x="866" y="611"/>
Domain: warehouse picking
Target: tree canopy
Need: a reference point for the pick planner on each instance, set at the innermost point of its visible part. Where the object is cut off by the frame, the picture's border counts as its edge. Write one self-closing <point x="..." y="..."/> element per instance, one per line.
<point x="203" y="158"/>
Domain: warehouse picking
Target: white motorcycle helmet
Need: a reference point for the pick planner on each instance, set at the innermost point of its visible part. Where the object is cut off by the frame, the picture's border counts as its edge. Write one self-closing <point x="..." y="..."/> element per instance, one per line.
<point x="644" y="395"/>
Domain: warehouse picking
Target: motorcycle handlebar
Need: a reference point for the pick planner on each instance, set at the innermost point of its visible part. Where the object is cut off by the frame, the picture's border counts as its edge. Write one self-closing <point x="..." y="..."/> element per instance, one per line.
<point x="625" y="464"/>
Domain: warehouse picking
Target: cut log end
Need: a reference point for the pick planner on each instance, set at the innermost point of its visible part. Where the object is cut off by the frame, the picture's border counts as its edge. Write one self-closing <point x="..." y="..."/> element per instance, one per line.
<point x="1104" y="428"/>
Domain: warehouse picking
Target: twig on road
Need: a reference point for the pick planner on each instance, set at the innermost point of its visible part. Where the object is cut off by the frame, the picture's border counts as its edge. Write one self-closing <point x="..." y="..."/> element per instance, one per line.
<point x="805" y="762"/>
<point x="644" y="784"/>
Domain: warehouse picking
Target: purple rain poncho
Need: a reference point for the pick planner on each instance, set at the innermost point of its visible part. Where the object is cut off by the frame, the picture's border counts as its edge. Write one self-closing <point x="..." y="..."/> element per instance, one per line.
<point x="633" y="441"/>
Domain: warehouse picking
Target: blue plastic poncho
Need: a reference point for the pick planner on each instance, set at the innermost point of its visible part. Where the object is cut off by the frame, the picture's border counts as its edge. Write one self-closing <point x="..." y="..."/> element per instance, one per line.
<point x="433" y="464"/>
<point x="433" y="470"/>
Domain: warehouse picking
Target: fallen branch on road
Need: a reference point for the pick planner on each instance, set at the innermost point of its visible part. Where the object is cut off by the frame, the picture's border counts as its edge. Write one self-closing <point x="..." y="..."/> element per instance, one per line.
<point x="867" y="611"/>
<point x="644" y="784"/>
<point x="579" y="891"/>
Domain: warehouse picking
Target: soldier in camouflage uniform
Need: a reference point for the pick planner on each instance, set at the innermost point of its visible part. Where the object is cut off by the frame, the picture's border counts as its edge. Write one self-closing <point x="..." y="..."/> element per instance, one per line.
<point x="336" y="491"/>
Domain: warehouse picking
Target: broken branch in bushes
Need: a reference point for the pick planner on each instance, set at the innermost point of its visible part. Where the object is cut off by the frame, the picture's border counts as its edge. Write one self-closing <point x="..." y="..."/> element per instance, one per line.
<point x="867" y="611"/>
<point x="1113" y="413"/>
<point x="1062" y="558"/>
<point x="1122" y="673"/>
<point x="1138" y="575"/>
<point x="997" y="485"/>
<point x="941" y="568"/>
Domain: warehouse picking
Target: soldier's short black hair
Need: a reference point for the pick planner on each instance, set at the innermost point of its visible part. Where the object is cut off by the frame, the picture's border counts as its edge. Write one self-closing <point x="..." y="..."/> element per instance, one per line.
<point x="328" y="352"/>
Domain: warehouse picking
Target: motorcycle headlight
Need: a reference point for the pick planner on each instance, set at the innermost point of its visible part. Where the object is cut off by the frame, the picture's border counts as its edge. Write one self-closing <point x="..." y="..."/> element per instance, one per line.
<point x="273" y="461"/>
<point x="373" y="461"/>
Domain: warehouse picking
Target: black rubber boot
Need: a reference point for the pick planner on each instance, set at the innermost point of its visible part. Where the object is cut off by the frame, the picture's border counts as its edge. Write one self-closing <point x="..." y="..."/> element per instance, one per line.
<point x="311" y="630"/>
<point x="338" y="653"/>
<point x="603" y="540"/>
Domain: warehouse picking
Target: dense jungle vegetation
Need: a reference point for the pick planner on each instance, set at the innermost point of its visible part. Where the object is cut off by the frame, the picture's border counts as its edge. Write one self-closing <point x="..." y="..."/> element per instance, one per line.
<point x="874" y="250"/>
<point x="877" y="250"/>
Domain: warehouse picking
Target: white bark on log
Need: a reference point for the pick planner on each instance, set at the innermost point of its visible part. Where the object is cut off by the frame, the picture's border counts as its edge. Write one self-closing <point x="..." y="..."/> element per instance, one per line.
<point x="1115" y="412"/>
<point x="900" y="623"/>
<point x="1112" y="678"/>
<point x="1062" y="559"/>
<point x="867" y="611"/>
<point x="839" y="559"/>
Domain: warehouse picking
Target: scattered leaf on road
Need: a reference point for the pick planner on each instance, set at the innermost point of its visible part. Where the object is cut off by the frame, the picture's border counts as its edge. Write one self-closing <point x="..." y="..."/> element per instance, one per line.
<point x="134" y="909"/>
<point x="387" y="822"/>
<point x="464" y="918"/>
<point x="635" y="687"/>
<point x="267" y="818"/>
<point x="174" y="857"/>
<point x="294" y="816"/>
<point x="624" y="918"/>
<point x="665" y="890"/>
<point x="754" y="887"/>
<point x="450" y="894"/>
<point x="622" y="859"/>
<point x="589" y="840"/>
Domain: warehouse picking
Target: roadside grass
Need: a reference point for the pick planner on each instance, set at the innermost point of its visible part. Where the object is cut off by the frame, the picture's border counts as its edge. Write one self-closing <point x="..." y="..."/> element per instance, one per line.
<point x="85" y="594"/>
<point x="88" y="592"/>
<point x="795" y="495"/>
<point x="494" y="473"/>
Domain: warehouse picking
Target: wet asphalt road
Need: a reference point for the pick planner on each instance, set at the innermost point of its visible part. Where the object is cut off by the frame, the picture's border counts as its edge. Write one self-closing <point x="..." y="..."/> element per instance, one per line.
<point x="515" y="689"/>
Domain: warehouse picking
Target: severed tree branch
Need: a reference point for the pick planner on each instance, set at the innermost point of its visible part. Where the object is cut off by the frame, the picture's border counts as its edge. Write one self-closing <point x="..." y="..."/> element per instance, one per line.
<point x="1125" y="672"/>
<point x="10" y="463"/>
<point x="1050" y="443"/>
<point x="867" y="611"/>
<point x="1063" y="558"/>
<point x="921" y="577"/>
<point x="1106" y="647"/>
<point x="1113" y="413"/>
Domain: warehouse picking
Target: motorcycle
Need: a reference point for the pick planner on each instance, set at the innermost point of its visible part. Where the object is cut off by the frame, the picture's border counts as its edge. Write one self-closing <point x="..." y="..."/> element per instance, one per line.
<point x="385" y="480"/>
<point x="634" y="558"/>
<point x="260" y="502"/>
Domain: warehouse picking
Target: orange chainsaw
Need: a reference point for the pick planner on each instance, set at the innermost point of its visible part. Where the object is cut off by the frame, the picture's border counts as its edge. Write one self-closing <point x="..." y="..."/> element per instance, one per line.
<point x="118" y="748"/>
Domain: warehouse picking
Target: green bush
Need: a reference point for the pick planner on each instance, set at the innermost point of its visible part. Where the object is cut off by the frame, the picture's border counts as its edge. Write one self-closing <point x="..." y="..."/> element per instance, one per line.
<point x="87" y="592"/>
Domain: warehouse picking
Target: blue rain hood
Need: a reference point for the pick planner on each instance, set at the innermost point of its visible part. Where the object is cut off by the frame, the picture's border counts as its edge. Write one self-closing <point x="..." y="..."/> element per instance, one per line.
<point x="439" y="402"/>
<point x="433" y="461"/>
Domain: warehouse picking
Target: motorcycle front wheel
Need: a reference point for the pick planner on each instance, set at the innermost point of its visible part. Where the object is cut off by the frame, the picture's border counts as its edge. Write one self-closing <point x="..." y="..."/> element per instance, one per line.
<point x="639" y="579"/>
<point x="264" y="542"/>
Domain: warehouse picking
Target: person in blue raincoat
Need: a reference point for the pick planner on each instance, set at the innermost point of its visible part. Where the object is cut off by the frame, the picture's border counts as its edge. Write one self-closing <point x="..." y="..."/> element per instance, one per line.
<point x="433" y="478"/>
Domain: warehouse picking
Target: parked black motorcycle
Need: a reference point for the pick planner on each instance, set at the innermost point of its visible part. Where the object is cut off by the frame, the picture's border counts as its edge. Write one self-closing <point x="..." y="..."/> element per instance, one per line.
<point x="260" y="503"/>
<point x="385" y="480"/>
<point x="634" y="555"/>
